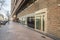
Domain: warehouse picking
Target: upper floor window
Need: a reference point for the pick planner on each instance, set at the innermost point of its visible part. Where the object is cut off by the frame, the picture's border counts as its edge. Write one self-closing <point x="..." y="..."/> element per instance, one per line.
<point x="16" y="1"/>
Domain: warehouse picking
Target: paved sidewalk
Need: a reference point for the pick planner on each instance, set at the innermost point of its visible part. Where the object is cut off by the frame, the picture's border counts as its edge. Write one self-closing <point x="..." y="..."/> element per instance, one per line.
<point x="15" y="31"/>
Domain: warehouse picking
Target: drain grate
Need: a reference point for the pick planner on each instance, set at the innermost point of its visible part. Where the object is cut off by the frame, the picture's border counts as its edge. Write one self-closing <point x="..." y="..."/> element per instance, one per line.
<point x="43" y="36"/>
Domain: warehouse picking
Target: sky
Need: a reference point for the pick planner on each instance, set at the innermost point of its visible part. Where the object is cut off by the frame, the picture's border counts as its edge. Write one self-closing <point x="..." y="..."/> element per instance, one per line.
<point x="6" y="7"/>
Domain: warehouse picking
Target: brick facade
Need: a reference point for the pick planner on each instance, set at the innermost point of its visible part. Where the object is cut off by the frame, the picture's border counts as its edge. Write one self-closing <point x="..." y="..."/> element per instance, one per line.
<point x="53" y="14"/>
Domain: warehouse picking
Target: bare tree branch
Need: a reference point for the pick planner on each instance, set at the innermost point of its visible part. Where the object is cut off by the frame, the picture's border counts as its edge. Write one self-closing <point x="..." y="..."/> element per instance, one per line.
<point x="2" y="3"/>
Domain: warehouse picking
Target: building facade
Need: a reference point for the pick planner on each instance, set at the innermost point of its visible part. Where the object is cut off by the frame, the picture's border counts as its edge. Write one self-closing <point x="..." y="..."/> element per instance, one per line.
<point x="41" y="15"/>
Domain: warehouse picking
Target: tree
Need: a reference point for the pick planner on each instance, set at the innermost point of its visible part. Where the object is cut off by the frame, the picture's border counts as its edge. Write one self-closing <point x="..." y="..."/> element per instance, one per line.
<point x="2" y="3"/>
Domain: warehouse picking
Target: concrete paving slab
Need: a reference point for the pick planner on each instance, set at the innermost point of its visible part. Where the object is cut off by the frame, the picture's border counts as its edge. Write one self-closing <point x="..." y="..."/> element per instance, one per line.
<point x="15" y="31"/>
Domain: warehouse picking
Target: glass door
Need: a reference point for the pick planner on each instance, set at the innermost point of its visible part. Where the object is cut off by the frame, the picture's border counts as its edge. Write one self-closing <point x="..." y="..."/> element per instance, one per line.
<point x="40" y="22"/>
<point x="43" y="22"/>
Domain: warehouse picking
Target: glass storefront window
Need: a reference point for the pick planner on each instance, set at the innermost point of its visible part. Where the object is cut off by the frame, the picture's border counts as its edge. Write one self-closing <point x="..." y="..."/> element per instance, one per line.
<point x="31" y="22"/>
<point x="38" y="22"/>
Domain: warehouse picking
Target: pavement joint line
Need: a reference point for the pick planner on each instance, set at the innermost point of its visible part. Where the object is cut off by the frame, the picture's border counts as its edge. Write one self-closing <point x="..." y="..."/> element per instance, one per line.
<point x="37" y="31"/>
<point x="41" y="32"/>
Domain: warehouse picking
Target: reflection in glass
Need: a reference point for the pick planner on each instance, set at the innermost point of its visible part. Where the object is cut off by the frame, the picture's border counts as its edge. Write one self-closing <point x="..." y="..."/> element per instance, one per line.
<point x="38" y="22"/>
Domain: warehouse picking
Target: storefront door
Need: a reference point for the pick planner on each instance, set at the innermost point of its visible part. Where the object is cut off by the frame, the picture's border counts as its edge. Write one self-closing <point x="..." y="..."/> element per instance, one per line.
<point x="40" y="22"/>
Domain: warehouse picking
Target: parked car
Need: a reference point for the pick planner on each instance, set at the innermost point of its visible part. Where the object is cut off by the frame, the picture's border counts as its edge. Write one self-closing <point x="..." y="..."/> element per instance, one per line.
<point x="3" y="22"/>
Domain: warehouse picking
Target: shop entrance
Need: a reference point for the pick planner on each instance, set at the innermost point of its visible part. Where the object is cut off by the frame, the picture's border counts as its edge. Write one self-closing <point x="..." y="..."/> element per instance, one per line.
<point x="40" y="22"/>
